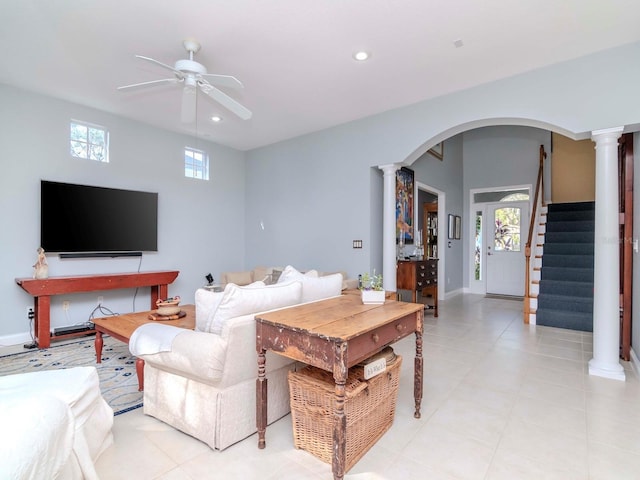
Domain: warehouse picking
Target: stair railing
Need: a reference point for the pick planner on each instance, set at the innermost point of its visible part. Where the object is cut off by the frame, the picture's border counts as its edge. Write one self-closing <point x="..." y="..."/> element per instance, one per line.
<point x="537" y="202"/>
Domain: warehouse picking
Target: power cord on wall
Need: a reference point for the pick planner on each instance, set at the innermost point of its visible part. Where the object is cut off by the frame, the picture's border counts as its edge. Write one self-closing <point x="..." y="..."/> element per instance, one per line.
<point x="31" y="316"/>
<point x="103" y="310"/>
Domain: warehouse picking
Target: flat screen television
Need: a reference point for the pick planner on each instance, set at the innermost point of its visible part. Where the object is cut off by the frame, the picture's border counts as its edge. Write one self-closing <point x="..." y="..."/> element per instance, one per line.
<point x="83" y="219"/>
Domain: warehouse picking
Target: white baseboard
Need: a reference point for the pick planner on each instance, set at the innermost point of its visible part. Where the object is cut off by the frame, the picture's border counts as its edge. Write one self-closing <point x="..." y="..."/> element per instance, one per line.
<point x="15" y="339"/>
<point x="453" y="293"/>
<point x="635" y="363"/>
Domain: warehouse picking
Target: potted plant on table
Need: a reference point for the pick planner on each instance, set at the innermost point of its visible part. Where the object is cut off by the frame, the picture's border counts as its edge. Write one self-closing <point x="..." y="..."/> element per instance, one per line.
<point x="371" y="289"/>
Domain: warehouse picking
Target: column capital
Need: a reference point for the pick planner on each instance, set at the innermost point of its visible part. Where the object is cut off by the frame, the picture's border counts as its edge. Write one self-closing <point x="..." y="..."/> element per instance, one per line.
<point x="390" y="168"/>
<point x="613" y="133"/>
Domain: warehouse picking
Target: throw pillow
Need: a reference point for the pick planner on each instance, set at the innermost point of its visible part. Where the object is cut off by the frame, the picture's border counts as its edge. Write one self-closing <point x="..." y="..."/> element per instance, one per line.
<point x="275" y="275"/>
<point x="321" y="287"/>
<point x="210" y="307"/>
<point x="207" y="303"/>
<point x="239" y="301"/>
<point x="290" y="273"/>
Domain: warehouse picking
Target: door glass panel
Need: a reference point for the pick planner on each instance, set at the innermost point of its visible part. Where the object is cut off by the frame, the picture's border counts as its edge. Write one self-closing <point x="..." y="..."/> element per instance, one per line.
<point x="478" y="250"/>
<point x="507" y="229"/>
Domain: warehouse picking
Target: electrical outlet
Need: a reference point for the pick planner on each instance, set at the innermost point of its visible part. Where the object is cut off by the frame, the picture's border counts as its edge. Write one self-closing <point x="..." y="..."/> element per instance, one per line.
<point x="100" y="300"/>
<point x="65" y="305"/>
<point x="30" y="313"/>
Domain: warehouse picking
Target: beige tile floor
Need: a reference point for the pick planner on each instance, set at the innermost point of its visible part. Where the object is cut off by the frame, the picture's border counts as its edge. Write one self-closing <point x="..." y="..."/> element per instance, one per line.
<point x="502" y="400"/>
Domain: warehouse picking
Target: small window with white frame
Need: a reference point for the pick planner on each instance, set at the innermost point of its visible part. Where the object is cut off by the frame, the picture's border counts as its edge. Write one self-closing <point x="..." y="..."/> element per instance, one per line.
<point x="89" y="141"/>
<point x="196" y="164"/>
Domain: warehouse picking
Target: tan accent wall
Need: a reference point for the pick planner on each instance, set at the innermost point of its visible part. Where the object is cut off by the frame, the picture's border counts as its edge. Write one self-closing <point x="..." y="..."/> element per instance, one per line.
<point x="573" y="170"/>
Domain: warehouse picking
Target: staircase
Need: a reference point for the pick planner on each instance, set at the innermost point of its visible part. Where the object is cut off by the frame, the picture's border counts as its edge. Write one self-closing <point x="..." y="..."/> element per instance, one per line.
<point x="565" y="296"/>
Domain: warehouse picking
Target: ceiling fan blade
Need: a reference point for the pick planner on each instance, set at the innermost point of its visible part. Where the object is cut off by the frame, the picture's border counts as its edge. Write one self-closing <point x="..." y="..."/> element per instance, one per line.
<point x="225" y="100"/>
<point x="188" y="112"/>
<point x="223" y="80"/>
<point x="152" y="82"/>
<point x="164" y="65"/>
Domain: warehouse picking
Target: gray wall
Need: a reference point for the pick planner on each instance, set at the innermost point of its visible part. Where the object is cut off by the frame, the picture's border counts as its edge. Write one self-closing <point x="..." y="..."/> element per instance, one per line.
<point x="200" y="226"/>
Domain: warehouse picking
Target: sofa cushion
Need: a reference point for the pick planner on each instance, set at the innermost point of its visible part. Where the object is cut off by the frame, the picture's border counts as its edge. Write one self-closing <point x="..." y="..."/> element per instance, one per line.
<point x="238" y="301"/>
<point x="239" y="278"/>
<point x="261" y="273"/>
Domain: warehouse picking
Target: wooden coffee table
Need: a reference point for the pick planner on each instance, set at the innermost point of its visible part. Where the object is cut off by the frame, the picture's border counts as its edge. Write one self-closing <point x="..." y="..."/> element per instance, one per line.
<point x="121" y="327"/>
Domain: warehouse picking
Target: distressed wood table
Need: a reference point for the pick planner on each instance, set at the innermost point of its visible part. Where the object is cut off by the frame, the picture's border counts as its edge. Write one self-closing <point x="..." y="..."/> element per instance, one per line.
<point x="335" y="334"/>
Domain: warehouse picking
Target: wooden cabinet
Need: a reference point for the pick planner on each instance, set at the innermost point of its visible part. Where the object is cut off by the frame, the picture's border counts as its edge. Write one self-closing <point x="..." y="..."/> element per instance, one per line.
<point x="419" y="276"/>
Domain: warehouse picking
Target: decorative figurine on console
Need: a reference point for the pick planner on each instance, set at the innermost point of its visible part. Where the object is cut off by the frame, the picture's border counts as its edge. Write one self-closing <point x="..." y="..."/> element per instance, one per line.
<point x="41" y="269"/>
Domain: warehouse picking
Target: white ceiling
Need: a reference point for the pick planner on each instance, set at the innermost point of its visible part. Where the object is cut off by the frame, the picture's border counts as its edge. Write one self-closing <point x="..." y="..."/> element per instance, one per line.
<point x="293" y="56"/>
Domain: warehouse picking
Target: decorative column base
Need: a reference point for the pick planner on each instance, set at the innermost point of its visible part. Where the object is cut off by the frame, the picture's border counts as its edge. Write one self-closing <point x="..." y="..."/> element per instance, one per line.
<point x="608" y="370"/>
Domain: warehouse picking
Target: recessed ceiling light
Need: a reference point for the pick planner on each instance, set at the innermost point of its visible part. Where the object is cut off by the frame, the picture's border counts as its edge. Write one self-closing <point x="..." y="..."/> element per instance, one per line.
<point x="216" y="118"/>
<point x="361" y="56"/>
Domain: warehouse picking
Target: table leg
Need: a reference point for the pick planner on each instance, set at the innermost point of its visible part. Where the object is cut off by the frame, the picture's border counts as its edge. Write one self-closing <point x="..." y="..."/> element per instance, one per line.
<point x="340" y="373"/>
<point x="98" y="342"/>
<point x="140" y="373"/>
<point x="42" y="321"/>
<point x="261" y="399"/>
<point x="435" y="302"/>
<point x="418" y="367"/>
<point x="339" y="433"/>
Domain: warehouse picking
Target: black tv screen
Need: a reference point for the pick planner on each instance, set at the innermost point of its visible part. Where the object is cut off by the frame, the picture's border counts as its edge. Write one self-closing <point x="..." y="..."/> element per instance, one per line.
<point x="84" y="219"/>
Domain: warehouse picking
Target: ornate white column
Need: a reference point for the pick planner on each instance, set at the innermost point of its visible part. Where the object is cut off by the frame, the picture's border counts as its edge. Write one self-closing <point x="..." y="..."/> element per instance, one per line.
<point x="389" y="227"/>
<point x="606" y="284"/>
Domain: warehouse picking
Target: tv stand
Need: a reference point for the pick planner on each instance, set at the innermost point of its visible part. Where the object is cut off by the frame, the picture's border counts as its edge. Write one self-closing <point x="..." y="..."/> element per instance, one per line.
<point x="42" y="290"/>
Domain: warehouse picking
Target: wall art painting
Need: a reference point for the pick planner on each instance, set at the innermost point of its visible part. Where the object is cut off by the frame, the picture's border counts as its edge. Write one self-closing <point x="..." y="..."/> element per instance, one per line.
<point x="405" y="186"/>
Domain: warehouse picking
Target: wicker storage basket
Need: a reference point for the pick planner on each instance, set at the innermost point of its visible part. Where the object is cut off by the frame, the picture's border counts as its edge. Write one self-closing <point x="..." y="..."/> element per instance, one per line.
<point x="369" y="407"/>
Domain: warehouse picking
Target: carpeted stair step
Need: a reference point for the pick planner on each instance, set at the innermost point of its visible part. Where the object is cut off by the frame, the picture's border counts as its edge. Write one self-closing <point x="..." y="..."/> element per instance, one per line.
<point x="562" y="319"/>
<point x="570" y="226"/>
<point x="568" y="249"/>
<point x="567" y="273"/>
<point x="572" y="215"/>
<point x="568" y="237"/>
<point x="567" y="260"/>
<point x="563" y="287"/>
<point x="566" y="303"/>
<point x="570" y="207"/>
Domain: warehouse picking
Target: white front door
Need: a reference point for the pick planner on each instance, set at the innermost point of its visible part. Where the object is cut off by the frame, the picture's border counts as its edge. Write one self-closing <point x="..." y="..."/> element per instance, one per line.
<point x="506" y="236"/>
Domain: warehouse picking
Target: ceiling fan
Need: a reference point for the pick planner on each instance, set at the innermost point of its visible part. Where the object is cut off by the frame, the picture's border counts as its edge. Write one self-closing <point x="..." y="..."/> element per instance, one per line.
<point x="193" y="75"/>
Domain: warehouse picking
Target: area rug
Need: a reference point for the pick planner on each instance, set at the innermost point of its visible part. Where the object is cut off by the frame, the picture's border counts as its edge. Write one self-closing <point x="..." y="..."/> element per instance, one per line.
<point x="117" y="372"/>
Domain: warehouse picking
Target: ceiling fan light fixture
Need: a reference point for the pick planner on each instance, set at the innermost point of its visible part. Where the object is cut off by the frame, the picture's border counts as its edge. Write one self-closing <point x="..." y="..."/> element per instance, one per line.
<point x="193" y="76"/>
<point x="361" y="55"/>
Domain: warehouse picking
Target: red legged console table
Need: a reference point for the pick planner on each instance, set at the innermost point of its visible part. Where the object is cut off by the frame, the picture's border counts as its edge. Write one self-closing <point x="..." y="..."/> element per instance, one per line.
<point x="42" y="290"/>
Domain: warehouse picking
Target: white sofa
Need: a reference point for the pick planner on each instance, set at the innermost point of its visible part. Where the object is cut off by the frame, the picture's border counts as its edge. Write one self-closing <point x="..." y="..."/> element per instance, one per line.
<point x="203" y="382"/>
<point x="56" y="424"/>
